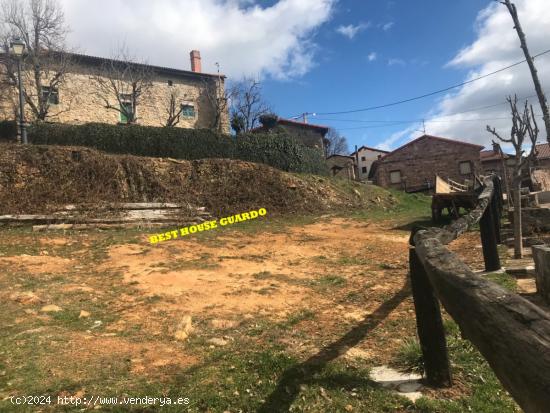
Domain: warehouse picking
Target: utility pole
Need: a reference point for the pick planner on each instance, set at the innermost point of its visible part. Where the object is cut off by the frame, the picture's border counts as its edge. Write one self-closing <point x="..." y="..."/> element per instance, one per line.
<point x="424" y="126"/>
<point x="523" y="41"/>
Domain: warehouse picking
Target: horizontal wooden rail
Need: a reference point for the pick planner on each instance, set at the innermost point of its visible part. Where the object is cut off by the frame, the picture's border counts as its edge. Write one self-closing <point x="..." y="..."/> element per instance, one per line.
<point x="511" y="333"/>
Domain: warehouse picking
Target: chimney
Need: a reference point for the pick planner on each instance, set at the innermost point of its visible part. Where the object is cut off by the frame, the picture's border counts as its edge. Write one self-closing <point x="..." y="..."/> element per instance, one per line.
<point x="195" y="61"/>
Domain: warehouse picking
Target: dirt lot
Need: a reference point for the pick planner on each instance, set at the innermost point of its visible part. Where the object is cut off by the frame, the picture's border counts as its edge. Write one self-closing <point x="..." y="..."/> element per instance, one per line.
<point x="270" y="315"/>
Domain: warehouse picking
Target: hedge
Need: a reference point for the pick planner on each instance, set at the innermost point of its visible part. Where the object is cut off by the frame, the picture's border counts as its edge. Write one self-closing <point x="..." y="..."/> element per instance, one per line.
<point x="278" y="149"/>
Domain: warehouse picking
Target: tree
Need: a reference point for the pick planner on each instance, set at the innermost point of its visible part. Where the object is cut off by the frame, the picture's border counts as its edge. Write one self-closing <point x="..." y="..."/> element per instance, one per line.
<point x="523" y="41"/>
<point x="40" y="24"/>
<point x="247" y="104"/>
<point x="218" y="98"/>
<point x="335" y="144"/>
<point x="173" y="108"/>
<point x="237" y="123"/>
<point x="120" y="84"/>
<point x="524" y="125"/>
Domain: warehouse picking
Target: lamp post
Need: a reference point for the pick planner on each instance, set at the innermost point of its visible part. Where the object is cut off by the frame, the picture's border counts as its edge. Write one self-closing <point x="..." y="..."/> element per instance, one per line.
<point x="17" y="47"/>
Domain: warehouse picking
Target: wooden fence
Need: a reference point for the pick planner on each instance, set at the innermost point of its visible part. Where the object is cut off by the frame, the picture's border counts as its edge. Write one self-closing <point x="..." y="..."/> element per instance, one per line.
<point x="511" y="333"/>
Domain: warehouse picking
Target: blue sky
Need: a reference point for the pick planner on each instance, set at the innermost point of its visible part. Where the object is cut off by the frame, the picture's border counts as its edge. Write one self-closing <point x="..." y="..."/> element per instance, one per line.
<point x="411" y="56"/>
<point x="313" y="55"/>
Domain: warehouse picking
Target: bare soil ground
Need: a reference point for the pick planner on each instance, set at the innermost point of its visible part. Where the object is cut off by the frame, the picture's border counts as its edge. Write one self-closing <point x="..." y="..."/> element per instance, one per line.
<point x="236" y="320"/>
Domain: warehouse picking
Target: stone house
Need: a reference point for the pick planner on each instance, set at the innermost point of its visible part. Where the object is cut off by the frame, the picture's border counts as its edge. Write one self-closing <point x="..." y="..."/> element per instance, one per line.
<point x="309" y="134"/>
<point x="77" y="100"/>
<point x="364" y="158"/>
<point x="492" y="163"/>
<point x="342" y="166"/>
<point x="413" y="166"/>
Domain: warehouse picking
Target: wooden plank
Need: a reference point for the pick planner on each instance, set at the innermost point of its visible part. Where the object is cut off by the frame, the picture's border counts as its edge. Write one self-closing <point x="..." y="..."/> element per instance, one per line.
<point x="441" y="187"/>
<point x="511" y="333"/>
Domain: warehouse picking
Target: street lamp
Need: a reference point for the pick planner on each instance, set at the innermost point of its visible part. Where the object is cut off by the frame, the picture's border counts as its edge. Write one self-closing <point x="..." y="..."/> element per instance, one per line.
<point x="17" y="48"/>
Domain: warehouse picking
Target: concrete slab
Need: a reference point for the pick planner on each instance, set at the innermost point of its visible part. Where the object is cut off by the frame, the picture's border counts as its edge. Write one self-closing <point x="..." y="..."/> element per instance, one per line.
<point x="405" y="384"/>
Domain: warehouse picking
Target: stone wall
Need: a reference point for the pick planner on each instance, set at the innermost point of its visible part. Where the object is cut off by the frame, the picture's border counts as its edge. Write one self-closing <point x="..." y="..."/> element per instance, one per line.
<point x="79" y="102"/>
<point x="533" y="220"/>
<point x="422" y="159"/>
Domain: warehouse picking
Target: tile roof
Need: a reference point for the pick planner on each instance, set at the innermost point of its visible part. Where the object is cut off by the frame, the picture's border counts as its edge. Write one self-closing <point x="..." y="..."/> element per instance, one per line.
<point x="97" y="60"/>
<point x="490" y="155"/>
<point x="480" y="147"/>
<point x="543" y="151"/>
<point x="370" y="149"/>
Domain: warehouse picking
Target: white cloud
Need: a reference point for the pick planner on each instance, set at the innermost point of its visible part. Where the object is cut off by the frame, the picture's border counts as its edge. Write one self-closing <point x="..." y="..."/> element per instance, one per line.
<point x="387" y="26"/>
<point x="372" y="56"/>
<point x="396" y="62"/>
<point x="350" y="31"/>
<point x="409" y="134"/>
<point x="496" y="46"/>
<point x="243" y="36"/>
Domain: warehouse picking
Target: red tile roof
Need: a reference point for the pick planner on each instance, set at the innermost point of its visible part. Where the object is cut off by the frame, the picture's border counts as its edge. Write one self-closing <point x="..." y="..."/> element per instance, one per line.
<point x="303" y="124"/>
<point x="490" y="155"/>
<point x="543" y="151"/>
<point x="320" y="128"/>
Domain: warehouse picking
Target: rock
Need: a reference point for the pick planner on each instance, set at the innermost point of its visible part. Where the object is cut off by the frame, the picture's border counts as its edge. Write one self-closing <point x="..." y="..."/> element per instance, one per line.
<point x="27" y="297"/>
<point x="184" y="329"/>
<point x="223" y="324"/>
<point x="84" y="314"/>
<point x="51" y="308"/>
<point x="220" y="342"/>
<point x="349" y="408"/>
<point x="409" y="387"/>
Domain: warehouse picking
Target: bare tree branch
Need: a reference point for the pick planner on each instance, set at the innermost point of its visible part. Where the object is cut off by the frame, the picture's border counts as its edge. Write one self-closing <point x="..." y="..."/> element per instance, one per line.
<point x="534" y="75"/>
<point x="121" y="83"/>
<point x="40" y="24"/>
<point x="524" y="126"/>
<point x="248" y="104"/>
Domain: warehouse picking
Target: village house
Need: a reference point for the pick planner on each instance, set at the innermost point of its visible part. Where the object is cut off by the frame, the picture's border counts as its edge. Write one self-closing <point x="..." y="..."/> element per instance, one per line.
<point x="191" y="94"/>
<point x="414" y="166"/>
<point x="309" y="134"/>
<point x="493" y="162"/>
<point x="342" y="166"/>
<point x="364" y="158"/>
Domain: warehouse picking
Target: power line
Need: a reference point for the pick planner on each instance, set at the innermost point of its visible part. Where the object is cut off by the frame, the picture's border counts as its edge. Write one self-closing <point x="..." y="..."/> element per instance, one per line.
<point x="432" y="119"/>
<point x="399" y="102"/>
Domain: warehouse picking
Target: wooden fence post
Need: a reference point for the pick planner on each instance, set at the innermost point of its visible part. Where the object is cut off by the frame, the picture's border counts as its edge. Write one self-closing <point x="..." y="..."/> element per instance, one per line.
<point x="429" y="325"/>
<point x="489" y="238"/>
<point x="496" y="217"/>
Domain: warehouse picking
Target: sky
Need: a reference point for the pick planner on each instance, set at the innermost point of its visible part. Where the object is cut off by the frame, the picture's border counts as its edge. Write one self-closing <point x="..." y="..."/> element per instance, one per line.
<point x="329" y="56"/>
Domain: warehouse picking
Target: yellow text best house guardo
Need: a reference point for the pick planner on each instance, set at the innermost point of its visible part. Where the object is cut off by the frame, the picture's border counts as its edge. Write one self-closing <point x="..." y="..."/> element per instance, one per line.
<point x="206" y="226"/>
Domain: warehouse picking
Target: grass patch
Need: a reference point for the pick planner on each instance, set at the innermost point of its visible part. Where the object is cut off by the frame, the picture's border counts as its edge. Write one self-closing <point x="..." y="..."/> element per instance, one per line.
<point x="409" y="356"/>
<point x="503" y="279"/>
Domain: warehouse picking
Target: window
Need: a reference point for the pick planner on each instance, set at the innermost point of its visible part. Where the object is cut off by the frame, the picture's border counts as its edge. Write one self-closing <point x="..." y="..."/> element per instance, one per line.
<point x="51" y="95"/>
<point x="170" y="83"/>
<point x="126" y="108"/>
<point x="364" y="169"/>
<point x="395" y="177"/>
<point x="363" y="158"/>
<point x="187" y="110"/>
<point x="465" y="167"/>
